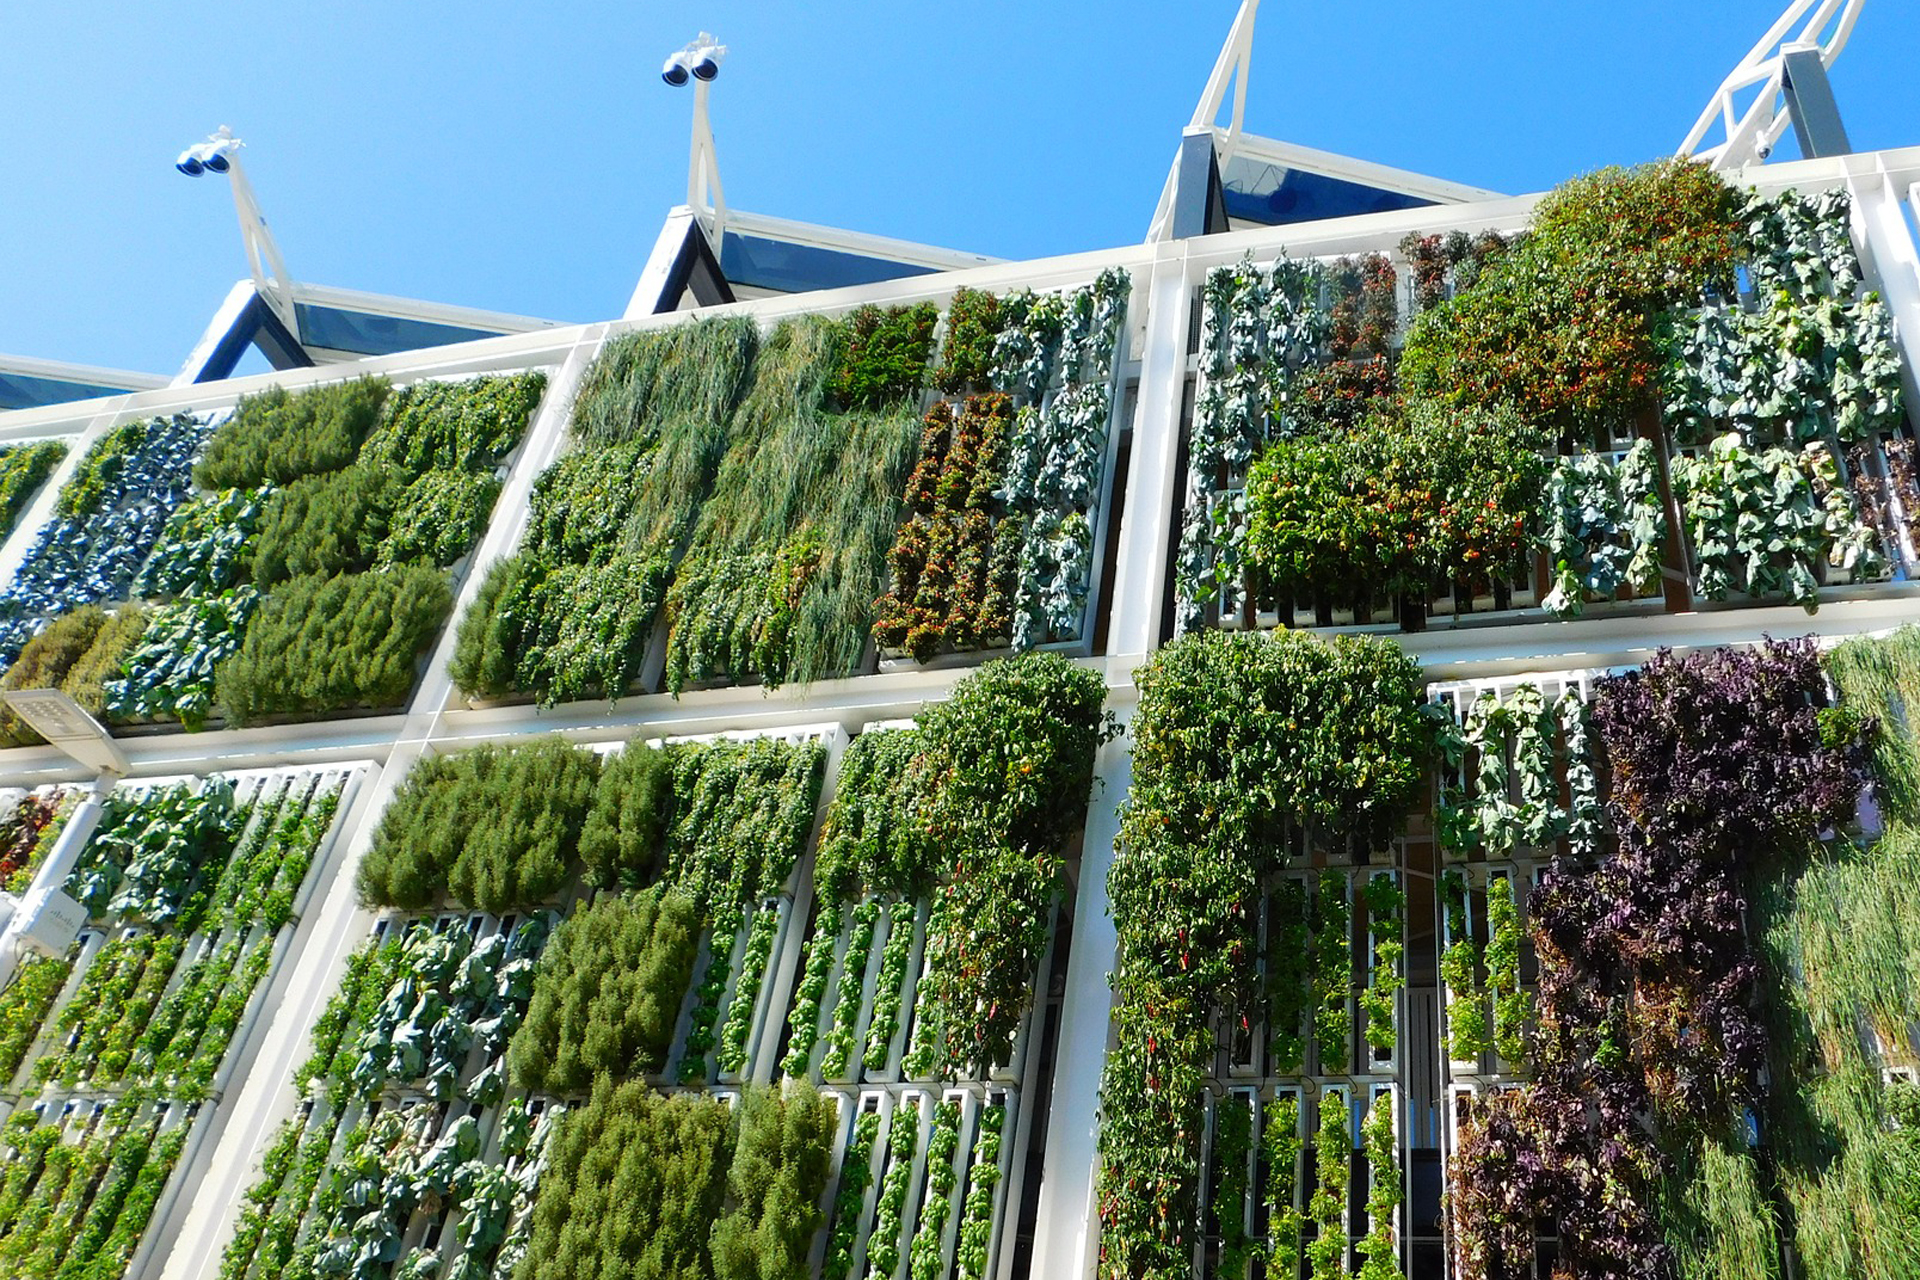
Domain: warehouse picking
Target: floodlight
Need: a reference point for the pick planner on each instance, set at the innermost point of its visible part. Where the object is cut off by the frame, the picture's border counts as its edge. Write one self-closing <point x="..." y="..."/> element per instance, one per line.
<point x="217" y="161"/>
<point x="700" y="60"/>
<point x="189" y="162"/>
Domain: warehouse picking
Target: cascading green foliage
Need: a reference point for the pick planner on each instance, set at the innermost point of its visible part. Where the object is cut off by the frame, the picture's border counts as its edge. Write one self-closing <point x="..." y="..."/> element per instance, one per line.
<point x="790" y="550"/>
<point x="24" y="1004"/>
<point x="281" y="436"/>
<point x="644" y="382"/>
<point x="872" y="840"/>
<point x="1005" y="767"/>
<point x="569" y="615"/>
<point x="1839" y="936"/>
<point x="641" y="1186"/>
<point x="438" y="518"/>
<point x="494" y="828"/>
<point x="320" y="644"/>
<point x="742" y="815"/>
<point x="23" y="470"/>
<point x="607" y="994"/>
<point x="1239" y="739"/>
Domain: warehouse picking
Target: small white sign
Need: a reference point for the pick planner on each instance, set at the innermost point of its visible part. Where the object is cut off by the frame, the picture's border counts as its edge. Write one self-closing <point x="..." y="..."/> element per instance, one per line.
<point x="53" y="927"/>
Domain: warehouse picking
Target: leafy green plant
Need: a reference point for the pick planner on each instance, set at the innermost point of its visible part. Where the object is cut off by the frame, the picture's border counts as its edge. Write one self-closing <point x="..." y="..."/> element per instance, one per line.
<point x="206" y="546"/>
<point x="737" y="1022"/>
<point x="320" y="644"/>
<point x="883" y="1242"/>
<point x="884" y="1022"/>
<point x="1604" y="527"/>
<point x="1289" y="952"/>
<point x="455" y="426"/>
<point x="438" y="518"/>
<point x="171" y="673"/>
<point x="1239" y="741"/>
<point x="966" y="357"/>
<point x="1380" y="1246"/>
<point x="1395" y="505"/>
<point x="23" y="469"/>
<point x="1332" y="973"/>
<point x="1512" y="1007"/>
<point x="281" y="436"/>
<point x="936" y="1205"/>
<point x="847" y="997"/>
<point x="1333" y="1159"/>
<point x="1467" y="1036"/>
<point x="1232" y="1149"/>
<point x="1766" y="522"/>
<point x="24" y="1005"/>
<point x="607" y="993"/>
<point x="1386" y="908"/>
<point x="856" y="1175"/>
<point x="885" y="358"/>
<point x="1280" y="1139"/>
<point x="1561" y="327"/>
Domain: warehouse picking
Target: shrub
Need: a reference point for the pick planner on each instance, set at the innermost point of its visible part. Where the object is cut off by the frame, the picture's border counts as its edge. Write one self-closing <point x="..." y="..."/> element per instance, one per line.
<point x="455" y="426"/>
<point x="321" y="644"/>
<point x="885" y="360"/>
<point x="85" y="681"/>
<point x="1396" y="503"/>
<point x="966" y="358"/>
<point x="281" y="436"/>
<point x="608" y="993"/>
<point x="439" y="517"/>
<point x="1561" y="327"/>
<point x="45" y="661"/>
<point x="776" y="1182"/>
<point x="328" y="523"/>
<point x="620" y="843"/>
<point x="493" y="828"/>
<point x="633" y="1185"/>
<point x="22" y="471"/>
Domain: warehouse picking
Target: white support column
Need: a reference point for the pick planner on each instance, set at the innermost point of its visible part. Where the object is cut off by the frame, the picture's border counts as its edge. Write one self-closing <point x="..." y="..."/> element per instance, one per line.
<point x="1892" y="265"/>
<point x="1066" y="1231"/>
<point x="1140" y="575"/>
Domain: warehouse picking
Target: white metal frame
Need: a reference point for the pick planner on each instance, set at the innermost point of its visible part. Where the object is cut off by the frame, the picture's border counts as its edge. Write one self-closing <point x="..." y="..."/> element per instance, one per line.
<point x="1749" y="135"/>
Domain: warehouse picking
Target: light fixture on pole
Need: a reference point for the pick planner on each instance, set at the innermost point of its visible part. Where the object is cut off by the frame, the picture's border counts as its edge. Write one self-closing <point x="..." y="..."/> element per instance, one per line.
<point x="220" y="153"/>
<point x="699" y="64"/>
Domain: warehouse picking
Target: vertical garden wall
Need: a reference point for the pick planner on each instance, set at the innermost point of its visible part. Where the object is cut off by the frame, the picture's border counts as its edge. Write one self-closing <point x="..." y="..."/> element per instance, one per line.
<point x="1159" y="764"/>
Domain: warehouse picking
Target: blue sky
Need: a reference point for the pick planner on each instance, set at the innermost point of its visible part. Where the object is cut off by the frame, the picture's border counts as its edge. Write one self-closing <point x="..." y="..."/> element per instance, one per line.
<point x="520" y="157"/>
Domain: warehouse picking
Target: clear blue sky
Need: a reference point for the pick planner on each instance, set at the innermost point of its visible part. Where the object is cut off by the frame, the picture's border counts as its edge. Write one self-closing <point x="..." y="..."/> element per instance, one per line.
<point x="520" y="156"/>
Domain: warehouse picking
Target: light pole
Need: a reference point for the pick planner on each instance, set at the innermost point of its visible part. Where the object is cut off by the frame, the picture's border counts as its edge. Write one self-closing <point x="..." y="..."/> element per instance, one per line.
<point x="699" y="64"/>
<point x="220" y="153"/>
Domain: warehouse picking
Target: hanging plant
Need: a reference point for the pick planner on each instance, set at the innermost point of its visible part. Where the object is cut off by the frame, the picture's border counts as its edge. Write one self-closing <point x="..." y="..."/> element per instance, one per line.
<point x="1280" y="1137"/>
<point x="1333" y="973"/>
<point x="1380" y="1246"/>
<point x="1327" y="1251"/>
<point x="1232" y="1150"/>
<point x="1386" y="905"/>
<point x="1512" y="1007"/>
<point x="1467" y="1036"/>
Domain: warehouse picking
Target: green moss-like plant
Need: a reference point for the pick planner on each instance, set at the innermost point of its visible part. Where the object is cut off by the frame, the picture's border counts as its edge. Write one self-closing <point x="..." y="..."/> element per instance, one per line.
<point x="281" y="436"/>
<point x="885" y="361"/>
